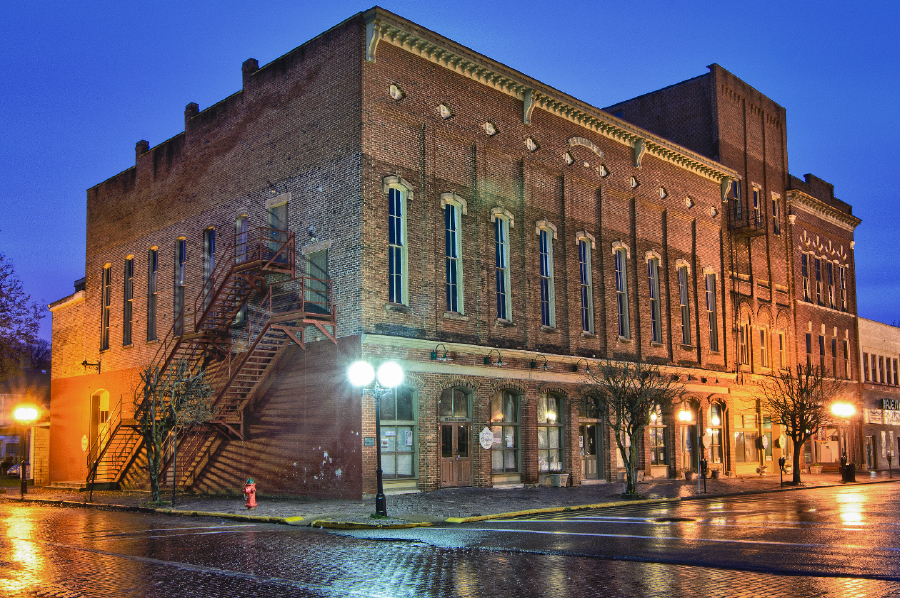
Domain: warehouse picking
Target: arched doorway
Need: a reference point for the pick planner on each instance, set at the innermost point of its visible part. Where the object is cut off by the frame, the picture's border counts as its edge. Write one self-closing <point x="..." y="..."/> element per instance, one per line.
<point x="590" y="440"/>
<point x="455" y="415"/>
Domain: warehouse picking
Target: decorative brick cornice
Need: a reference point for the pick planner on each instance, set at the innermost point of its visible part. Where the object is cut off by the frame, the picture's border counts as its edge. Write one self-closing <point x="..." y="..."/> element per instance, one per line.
<point x="811" y="205"/>
<point x="386" y="27"/>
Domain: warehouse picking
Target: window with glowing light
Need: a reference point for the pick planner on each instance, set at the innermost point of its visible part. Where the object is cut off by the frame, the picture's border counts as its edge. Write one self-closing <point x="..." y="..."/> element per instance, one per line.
<point x="399" y="433"/>
<point x="550" y="418"/>
<point x="658" y="453"/>
<point x="505" y="425"/>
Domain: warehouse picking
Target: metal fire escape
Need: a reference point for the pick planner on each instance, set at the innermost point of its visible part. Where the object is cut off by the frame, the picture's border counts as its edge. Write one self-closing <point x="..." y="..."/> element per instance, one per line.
<point x="251" y="307"/>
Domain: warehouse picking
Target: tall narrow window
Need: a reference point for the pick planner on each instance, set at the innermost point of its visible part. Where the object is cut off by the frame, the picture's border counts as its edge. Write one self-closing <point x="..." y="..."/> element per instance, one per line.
<point x="847" y="362"/>
<point x="804" y="274"/>
<point x="874" y="368"/>
<point x="843" y="288"/>
<point x="685" y="307"/>
<point x="317" y="284"/>
<point x="152" y="269"/>
<point x="209" y="264"/>
<point x="736" y="200"/>
<point x="866" y="367"/>
<point x="764" y="347"/>
<point x="658" y="453"/>
<point x="711" y="312"/>
<point x="808" y="350"/>
<point x="501" y="265"/>
<point x="655" y="313"/>
<point x="105" y="299"/>
<point x="128" y="311"/>
<point x="453" y="263"/>
<point x="776" y="216"/>
<point x="548" y="289"/>
<point x="397" y="287"/>
<point x="550" y="434"/>
<point x="744" y="341"/>
<point x="586" y="285"/>
<point x="240" y="239"/>
<point x="822" y="355"/>
<point x="716" y="425"/>
<point x="894" y="360"/>
<point x="180" y="282"/>
<point x="622" y="293"/>
<point x="834" y="353"/>
<point x="881" y="369"/>
<point x="505" y="426"/>
<point x="829" y="281"/>
<point x="757" y="216"/>
<point x="818" y="271"/>
<point x="782" y="351"/>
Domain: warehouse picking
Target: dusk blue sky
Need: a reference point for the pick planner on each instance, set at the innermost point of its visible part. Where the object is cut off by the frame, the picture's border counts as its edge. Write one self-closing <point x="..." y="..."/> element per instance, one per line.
<point x="86" y="80"/>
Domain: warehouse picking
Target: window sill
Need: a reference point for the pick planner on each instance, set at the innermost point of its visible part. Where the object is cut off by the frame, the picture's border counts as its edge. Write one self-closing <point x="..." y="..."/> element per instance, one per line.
<point x="586" y="334"/>
<point x="687" y="347"/>
<point x="397" y="307"/>
<point x="129" y="346"/>
<point x="455" y="315"/>
<point x="622" y="339"/>
<point x="550" y="329"/>
<point x="504" y="323"/>
<point x="153" y="342"/>
<point x="657" y="345"/>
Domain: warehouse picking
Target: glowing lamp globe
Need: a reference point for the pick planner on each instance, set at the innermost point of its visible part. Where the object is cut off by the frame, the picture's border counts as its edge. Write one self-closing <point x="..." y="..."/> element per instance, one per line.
<point x="360" y="373"/>
<point x="390" y="375"/>
<point x="25" y="414"/>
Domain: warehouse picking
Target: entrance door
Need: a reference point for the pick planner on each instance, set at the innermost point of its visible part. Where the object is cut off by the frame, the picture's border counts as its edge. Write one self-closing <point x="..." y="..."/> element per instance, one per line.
<point x="456" y="460"/>
<point x="689" y="447"/>
<point x="591" y="465"/>
<point x="870" y="452"/>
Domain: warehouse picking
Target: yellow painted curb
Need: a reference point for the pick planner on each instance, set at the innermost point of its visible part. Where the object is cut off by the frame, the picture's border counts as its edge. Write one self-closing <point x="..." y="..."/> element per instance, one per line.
<point x="619" y="503"/>
<point x="293" y="520"/>
<point x="352" y="525"/>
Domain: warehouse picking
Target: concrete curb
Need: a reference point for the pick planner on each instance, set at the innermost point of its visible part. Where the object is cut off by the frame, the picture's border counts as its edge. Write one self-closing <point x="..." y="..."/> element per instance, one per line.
<point x="321" y="523"/>
<point x="600" y="505"/>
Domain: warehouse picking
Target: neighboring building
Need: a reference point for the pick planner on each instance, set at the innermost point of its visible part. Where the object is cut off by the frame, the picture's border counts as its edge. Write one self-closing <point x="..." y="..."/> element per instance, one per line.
<point x="28" y="387"/>
<point x="382" y="192"/>
<point x="879" y="357"/>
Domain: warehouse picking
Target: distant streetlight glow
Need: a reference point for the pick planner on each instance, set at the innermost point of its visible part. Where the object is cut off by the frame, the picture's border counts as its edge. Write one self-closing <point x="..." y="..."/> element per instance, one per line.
<point x="843" y="409"/>
<point x="25" y="414"/>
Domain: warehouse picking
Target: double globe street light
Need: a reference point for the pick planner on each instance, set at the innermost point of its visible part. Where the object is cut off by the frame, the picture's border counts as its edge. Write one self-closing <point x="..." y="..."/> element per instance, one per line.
<point x="25" y="415"/>
<point x="390" y="375"/>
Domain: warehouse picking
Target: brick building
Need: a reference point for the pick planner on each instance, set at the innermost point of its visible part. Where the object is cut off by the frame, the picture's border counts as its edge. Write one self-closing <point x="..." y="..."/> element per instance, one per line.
<point x="880" y="392"/>
<point x="382" y="192"/>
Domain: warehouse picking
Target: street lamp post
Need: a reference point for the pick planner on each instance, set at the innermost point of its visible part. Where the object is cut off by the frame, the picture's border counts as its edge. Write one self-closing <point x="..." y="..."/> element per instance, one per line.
<point x="25" y="415"/>
<point x="844" y="411"/>
<point x="390" y="376"/>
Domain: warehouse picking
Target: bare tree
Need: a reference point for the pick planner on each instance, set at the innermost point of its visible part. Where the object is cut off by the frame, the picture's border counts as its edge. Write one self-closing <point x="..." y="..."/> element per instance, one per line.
<point x="165" y="401"/>
<point x="39" y="354"/>
<point x="799" y="400"/>
<point x="626" y="395"/>
<point x="19" y="319"/>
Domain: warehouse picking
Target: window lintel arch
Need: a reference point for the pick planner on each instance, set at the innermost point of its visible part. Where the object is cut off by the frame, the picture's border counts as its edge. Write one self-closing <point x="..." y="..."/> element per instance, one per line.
<point x="617" y="245"/>
<point x="453" y="198"/>
<point x="683" y="263"/>
<point x="503" y="213"/>
<point x="278" y="200"/>
<point x="397" y="182"/>
<point x="585" y="236"/>
<point x="652" y="255"/>
<point x="545" y="224"/>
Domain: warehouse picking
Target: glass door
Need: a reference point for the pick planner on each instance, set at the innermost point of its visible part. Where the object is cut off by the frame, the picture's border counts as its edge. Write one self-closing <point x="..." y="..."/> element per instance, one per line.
<point x="456" y="460"/>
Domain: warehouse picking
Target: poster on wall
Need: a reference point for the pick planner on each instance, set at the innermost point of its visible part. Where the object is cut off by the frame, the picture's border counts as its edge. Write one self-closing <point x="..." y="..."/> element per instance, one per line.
<point x="409" y="438"/>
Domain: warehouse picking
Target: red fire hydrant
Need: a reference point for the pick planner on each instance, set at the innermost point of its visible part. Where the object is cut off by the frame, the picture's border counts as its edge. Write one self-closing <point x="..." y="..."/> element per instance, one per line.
<point x="250" y="493"/>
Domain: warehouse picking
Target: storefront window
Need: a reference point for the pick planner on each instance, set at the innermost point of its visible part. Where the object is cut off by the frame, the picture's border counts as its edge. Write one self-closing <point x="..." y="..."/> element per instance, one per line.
<point x="658" y="453"/>
<point x="398" y="434"/>
<point x="454" y="403"/>
<point x="767" y="432"/>
<point x="716" y="424"/>
<point x="505" y="426"/>
<point x="550" y="434"/>
<point x="745" y="440"/>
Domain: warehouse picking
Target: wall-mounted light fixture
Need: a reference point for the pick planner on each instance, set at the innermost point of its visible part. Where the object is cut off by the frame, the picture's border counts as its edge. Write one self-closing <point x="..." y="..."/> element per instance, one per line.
<point x="87" y="365"/>
<point x="443" y="356"/>
<point x="587" y="366"/>
<point x="499" y="363"/>
<point x="534" y="363"/>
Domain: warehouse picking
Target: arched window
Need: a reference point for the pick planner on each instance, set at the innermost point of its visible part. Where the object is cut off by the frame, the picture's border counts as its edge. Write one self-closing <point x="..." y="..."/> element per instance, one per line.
<point x="655" y="313"/>
<point x="546" y="232"/>
<point x="209" y="264"/>
<point x="502" y="223"/>
<point x="551" y="447"/>
<point x="586" y="284"/>
<point x="180" y="282"/>
<point x="684" y="302"/>
<point x="105" y="299"/>
<point x="505" y="424"/>
<point x="590" y="439"/>
<point x="398" y="274"/>
<point x="454" y="208"/>
<point x="398" y="434"/>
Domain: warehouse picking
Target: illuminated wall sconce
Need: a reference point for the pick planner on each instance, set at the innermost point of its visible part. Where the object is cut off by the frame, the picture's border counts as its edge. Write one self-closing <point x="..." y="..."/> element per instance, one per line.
<point x="587" y="366"/>
<point x="499" y="363"/>
<point x="443" y="357"/>
<point x="534" y="363"/>
<point x="87" y="365"/>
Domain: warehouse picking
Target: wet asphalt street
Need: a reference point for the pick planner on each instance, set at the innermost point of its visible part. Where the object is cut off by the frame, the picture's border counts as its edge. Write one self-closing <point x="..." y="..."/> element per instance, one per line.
<point x="840" y="541"/>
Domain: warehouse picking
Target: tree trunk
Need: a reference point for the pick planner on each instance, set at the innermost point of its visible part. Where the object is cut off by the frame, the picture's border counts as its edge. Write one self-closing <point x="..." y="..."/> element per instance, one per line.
<point x="798" y="447"/>
<point x="631" y="470"/>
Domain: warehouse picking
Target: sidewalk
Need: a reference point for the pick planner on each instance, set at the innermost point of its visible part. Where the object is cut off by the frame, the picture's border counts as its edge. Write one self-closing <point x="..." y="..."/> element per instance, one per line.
<point x="454" y="505"/>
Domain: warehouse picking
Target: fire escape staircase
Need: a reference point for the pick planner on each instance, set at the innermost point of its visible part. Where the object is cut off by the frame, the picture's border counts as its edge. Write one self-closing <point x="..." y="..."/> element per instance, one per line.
<point x="249" y="310"/>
